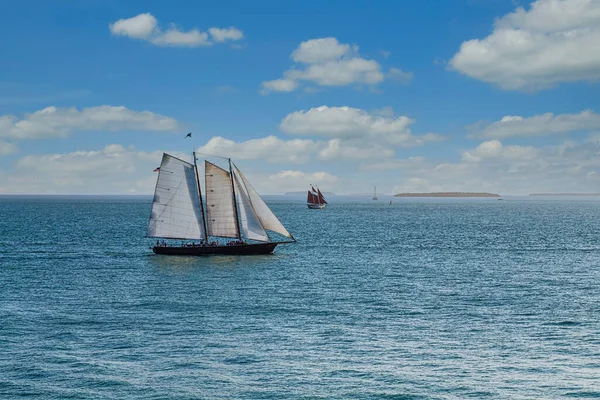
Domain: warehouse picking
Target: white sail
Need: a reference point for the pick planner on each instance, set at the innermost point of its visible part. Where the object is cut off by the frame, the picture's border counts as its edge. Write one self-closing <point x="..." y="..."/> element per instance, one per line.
<point x="263" y="212"/>
<point x="251" y="226"/>
<point x="220" y="212"/>
<point x="176" y="209"/>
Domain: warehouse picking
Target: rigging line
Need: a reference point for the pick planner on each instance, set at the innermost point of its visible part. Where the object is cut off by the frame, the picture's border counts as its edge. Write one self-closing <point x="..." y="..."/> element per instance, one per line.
<point x="211" y="155"/>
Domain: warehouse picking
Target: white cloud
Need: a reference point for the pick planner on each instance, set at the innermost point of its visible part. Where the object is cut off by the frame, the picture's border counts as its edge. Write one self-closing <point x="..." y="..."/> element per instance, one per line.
<point x="7" y="148"/>
<point x="494" y="150"/>
<point x="336" y="149"/>
<point x="270" y="149"/>
<point x="394" y="164"/>
<point x="289" y="180"/>
<point x="141" y="26"/>
<point x="494" y="167"/>
<point x="222" y="35"/>
<point x="297" y="151"/>
<point x="396" y="74"/>
<point x="61" y="122"/>
<point x="113" y="169"/>
<point x="326" y="62"/>
<point x="538" y="125"/>
<point x="145" y="27"/>
<point x="354" y="123"/>
<point x="175" y="37"/>
<point x="278" y="85"/>
<point x="554" y="41"/>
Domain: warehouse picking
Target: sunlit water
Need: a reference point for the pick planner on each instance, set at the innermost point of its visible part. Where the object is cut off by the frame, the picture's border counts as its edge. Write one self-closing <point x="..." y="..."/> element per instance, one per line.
<point x="423" y="299"/>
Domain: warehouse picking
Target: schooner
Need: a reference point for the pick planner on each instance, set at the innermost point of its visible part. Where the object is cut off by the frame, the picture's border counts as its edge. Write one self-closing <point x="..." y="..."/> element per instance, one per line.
<point x="234" y="210"/>
<point x="315" y="199"/>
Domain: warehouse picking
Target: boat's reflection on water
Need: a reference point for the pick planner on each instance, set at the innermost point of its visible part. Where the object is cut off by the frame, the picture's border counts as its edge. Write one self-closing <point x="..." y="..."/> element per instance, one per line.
<point x="190" y="263"/>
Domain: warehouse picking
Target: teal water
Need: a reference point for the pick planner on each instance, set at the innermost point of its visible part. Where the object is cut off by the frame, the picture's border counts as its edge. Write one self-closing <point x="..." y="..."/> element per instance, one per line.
<point x="424" y="299"/>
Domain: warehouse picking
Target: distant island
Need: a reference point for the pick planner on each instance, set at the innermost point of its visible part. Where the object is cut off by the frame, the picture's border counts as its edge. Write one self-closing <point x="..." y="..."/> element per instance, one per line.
<point x="448" y="194"/>
<point x="303" y="193"/>
<point x="565" y="194"/>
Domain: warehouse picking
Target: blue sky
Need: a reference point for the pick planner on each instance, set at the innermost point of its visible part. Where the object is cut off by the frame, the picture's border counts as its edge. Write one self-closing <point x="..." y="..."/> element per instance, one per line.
<point x="410" y="96"/>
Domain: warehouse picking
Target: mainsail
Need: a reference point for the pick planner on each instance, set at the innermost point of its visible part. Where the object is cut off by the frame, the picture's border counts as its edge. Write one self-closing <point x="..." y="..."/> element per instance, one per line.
<point x="221" y="215"/>
<point x="266" y="217"/>
<point x="250" y="224"/>
<point x="312" y="198"/>
<point x="321" y="198"/>
<point x="176" y="211"/>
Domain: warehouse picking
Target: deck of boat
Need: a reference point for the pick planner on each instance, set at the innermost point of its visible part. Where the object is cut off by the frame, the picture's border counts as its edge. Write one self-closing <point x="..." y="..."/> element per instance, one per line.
<point x="237" y="249"/>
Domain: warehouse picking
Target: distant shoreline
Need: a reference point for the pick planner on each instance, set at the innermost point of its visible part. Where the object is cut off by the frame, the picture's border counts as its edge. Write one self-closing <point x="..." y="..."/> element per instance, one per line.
<point x="448" y="194"/>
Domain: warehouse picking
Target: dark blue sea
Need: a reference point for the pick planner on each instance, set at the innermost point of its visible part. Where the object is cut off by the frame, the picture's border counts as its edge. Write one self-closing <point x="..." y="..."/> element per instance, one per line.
<point x="423" y="299"/>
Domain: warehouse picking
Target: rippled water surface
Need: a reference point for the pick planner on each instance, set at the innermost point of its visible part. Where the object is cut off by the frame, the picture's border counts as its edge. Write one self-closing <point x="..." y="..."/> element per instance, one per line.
<point x="423" y="299"/>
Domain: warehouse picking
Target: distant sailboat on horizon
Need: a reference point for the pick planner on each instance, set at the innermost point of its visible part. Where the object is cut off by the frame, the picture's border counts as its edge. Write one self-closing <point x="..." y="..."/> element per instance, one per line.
<point x="374" y="192"/>
<point x="315" y="199"/>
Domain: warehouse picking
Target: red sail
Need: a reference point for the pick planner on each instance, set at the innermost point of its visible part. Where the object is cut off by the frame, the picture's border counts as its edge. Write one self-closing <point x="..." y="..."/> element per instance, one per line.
<point x="311" y="198"/>
<point x="321" y="198"/>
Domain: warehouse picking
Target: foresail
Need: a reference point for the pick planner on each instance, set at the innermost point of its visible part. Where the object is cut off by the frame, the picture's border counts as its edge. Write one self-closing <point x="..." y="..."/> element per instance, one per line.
<point x="266" y="217"/>
<point x="176" y="209"/>
<point x="220" y="214"/>
<point x="251" y="227"/>
<point x="321" y="197"/>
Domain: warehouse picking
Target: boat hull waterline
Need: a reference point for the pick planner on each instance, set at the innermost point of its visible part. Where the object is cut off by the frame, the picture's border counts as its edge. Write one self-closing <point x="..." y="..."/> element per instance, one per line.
<point x="246" y="249"/>
<point x="315" y="206"/>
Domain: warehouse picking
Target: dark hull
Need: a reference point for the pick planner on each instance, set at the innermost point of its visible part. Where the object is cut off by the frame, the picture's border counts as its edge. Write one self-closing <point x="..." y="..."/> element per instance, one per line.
<point x="314" y="206"/>
<point x="237" y="250"/>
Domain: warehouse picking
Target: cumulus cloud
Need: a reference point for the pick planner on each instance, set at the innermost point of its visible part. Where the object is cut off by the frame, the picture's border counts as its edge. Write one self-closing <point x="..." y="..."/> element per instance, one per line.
<point x="270" y="149"/>
<point x="553" y="41"/>
<point x="572" y="166"/>
<point x="279" y="85"/>
<point x="141" y="26"/>
<point x="336" y="149"/>
<point x="288" y="180"/>
<point x="538" y="125"/>
<point x="327" y="62"/>
<point x="396" y="74"/>
<point x="297" y="151"/>
<point x="495" y="150"/>
<point x="145" y="27"/>
<point x="354" y="123"/>
<point x="223" y="35"/>
<point x="114" y="169"/>
<point x="394" y="164"/>
<point x="52" y="122"/>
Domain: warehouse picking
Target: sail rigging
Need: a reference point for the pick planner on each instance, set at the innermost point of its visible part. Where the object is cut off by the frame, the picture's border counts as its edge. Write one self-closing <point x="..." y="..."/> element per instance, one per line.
<point x="312" y="198"/>
<point x="176" y="211"/>
<point x="233" y="210"/>
<point x="321" y="197"/>
<point x="220" y="212"/>
<point x="266" y="217"/>
<point x="250" y="224"/>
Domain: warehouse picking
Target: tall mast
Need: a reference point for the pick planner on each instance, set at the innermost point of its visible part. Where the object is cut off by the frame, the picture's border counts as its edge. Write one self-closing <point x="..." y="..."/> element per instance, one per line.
<point x="201" y="201"/>
<point x="235" y="209"/>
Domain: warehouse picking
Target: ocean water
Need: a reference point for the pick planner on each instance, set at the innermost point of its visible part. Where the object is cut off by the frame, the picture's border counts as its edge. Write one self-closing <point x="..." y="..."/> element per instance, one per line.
<point x="423" y="299"/>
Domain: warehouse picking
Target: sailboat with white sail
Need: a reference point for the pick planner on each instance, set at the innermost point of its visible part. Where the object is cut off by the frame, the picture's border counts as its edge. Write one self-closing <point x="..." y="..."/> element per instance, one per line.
<point x="236" y="219"/>
<point x="315" y="199"/>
